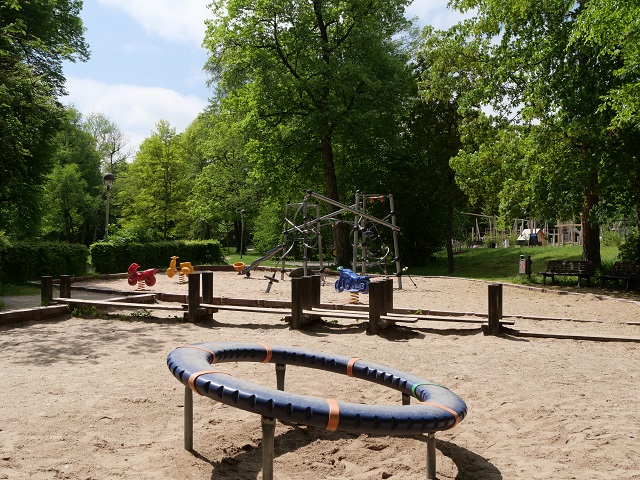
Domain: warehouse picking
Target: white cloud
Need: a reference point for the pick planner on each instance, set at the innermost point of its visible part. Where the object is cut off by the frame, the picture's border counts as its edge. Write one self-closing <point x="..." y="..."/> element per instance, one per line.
<point x="174" y="21"/>
<point x="434" y="13"/>
<point x="136" y="110"/>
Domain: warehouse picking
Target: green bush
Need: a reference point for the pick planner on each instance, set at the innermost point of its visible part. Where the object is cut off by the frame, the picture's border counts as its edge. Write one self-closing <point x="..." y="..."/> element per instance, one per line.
<point x="117" y="255"/>
<point x="611" y="238"/>
<point x="22" y="261"/>
<point x="629" y="251"/>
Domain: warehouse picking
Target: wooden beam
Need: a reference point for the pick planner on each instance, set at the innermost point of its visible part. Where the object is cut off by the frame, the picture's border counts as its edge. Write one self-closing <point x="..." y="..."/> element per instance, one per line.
<point x="123" y="305"/>
<point x="569" y="336"/>
<point x="247" y="308"/>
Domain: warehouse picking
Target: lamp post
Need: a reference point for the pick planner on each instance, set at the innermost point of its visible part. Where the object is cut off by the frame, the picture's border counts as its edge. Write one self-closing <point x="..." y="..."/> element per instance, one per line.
<point x="242" y="214"/>
<point x="108" y="180"/>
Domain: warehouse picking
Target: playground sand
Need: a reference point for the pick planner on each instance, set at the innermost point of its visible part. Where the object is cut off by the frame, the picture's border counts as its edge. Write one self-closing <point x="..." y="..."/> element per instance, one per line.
<point x="86" y="398"/>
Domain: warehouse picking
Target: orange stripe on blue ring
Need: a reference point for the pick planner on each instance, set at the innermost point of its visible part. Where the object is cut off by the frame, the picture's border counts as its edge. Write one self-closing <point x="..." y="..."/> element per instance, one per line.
<point x="269" y="352"/>
<point x="454" y="413"/>
<point x="213" y="354"/>
<point x="194" y="376"/>
<point x="334" y="414"/>
<point x="350" y="366"/>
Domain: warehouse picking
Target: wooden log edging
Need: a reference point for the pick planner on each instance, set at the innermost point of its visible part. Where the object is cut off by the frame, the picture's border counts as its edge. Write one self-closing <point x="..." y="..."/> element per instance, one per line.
<point x="49" y="312"/>
<point x="306" y="305"/>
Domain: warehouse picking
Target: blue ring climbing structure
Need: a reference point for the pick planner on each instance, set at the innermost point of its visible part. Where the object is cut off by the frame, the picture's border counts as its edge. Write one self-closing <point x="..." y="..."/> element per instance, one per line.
<point x="437" y="409"/>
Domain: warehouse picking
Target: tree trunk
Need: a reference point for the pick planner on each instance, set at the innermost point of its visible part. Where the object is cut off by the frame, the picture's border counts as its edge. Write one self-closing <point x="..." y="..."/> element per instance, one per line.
<point x="237" y="234"/>
<point x="448" y="233"/>
<point x="341" y="231"/>
<point x="638" y="229"/>
<point x="590" y="232"/>
<point x="68" y="226"/>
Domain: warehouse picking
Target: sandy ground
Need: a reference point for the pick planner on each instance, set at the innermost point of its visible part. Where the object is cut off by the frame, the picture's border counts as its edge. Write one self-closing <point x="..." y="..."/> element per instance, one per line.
<point x="92" y="398"/>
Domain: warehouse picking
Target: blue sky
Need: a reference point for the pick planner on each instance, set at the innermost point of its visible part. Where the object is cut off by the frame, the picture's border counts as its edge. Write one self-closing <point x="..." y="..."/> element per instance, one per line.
<point x="146" y="61"/>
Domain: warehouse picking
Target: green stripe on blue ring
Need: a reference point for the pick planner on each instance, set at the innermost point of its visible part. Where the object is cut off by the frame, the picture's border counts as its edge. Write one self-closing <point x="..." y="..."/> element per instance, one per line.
<point x="413" y="389"/>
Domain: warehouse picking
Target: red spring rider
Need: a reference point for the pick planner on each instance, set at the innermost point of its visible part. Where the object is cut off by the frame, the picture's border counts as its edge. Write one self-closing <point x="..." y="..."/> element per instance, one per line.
<point x="148" y="276"/>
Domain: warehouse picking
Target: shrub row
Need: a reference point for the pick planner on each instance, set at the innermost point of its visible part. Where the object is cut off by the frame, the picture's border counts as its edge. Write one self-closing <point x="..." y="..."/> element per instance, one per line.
<point x="116" y="256"/>
<point x="23" y="261"/>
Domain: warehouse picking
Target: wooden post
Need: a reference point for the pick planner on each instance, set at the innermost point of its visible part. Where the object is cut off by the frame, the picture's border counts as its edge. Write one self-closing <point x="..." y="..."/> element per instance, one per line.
<point x="389" y="294"/>
<point x="316" y="281"/>
<point x="373" y="328"/>
<point x="207" y="287"/>
<point x="207" y="292"/>
<point x="495" y="308"/>
<point x="296" y="302"/>
<point x="65" y="286"/>
<point x="46" y="290"/>
<point x="194" y="297"/>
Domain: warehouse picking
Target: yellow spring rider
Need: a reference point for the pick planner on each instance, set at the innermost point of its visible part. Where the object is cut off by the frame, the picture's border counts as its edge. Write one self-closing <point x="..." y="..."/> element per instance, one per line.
<point x="185" y="270"/>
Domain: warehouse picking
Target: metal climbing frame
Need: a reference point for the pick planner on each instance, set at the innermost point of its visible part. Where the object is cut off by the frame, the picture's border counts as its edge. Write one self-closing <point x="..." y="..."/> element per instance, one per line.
<point x="359" y="210"/>
<point x="306" y="229"/>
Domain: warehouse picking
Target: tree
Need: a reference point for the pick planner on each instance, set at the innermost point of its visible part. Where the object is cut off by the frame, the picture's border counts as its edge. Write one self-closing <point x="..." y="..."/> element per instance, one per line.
<point x="613" y="29"/>
<point x="74" y="146"/>
<point x="154" y="188"/>
<point x="528" y="69"/>
<point x="110" y="142"/>
<point x="434" y="139"/>
<point x="224" y="185"/>
<point x="67" y="200"/>
<point x="35" y="38"/>
<point x="310" y="78"/>
<point x="29" y="119"/>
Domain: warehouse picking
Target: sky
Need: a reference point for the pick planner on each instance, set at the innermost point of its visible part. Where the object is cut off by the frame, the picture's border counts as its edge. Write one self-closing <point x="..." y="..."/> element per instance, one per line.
<point x="147" y="61"/>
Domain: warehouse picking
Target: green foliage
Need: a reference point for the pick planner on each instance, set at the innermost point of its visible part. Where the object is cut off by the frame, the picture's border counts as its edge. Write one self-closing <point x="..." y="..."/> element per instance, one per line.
<point x="630" y="249"/>
<point x="35" y="39"/>
<point x="116" y="256"/>
<point x="613" y="27"/>
<point x="67" y="200"/>
<point x="142" y="313"/>
<point x="268" y="227"/>
<point x="90" y="311"/>
<point x="551" y="152"/>
<point x="316" y="87"/>
<point x="611" y="238"/>
<point x="154" y="188"/>
<point x="21" y="261"/>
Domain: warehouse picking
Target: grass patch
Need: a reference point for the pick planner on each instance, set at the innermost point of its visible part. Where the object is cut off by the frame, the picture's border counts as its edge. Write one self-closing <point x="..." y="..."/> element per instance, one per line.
<point x="494" y="264"/>
<point x="503" y="263"/>
<point x="16" y="290"/>
<point x="89" y="311"/>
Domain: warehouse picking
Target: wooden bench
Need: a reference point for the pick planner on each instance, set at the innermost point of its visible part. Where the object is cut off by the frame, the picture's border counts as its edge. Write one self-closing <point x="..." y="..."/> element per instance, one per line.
<point x="622" y="271"/>
<point x="569" y="268"/>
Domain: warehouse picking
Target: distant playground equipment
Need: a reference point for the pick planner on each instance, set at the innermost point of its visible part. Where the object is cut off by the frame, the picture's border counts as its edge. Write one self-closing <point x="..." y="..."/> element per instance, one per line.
<point x="369" y="248"/>
<point x="185" y="270"/>
<point x="140" y="278"/>
<point x="436" y="409"/>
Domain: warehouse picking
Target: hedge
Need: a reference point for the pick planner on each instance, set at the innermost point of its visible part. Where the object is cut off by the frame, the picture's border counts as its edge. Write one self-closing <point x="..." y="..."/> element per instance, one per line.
<point x="22" y="261"/>
<point x="116" y="256"/>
